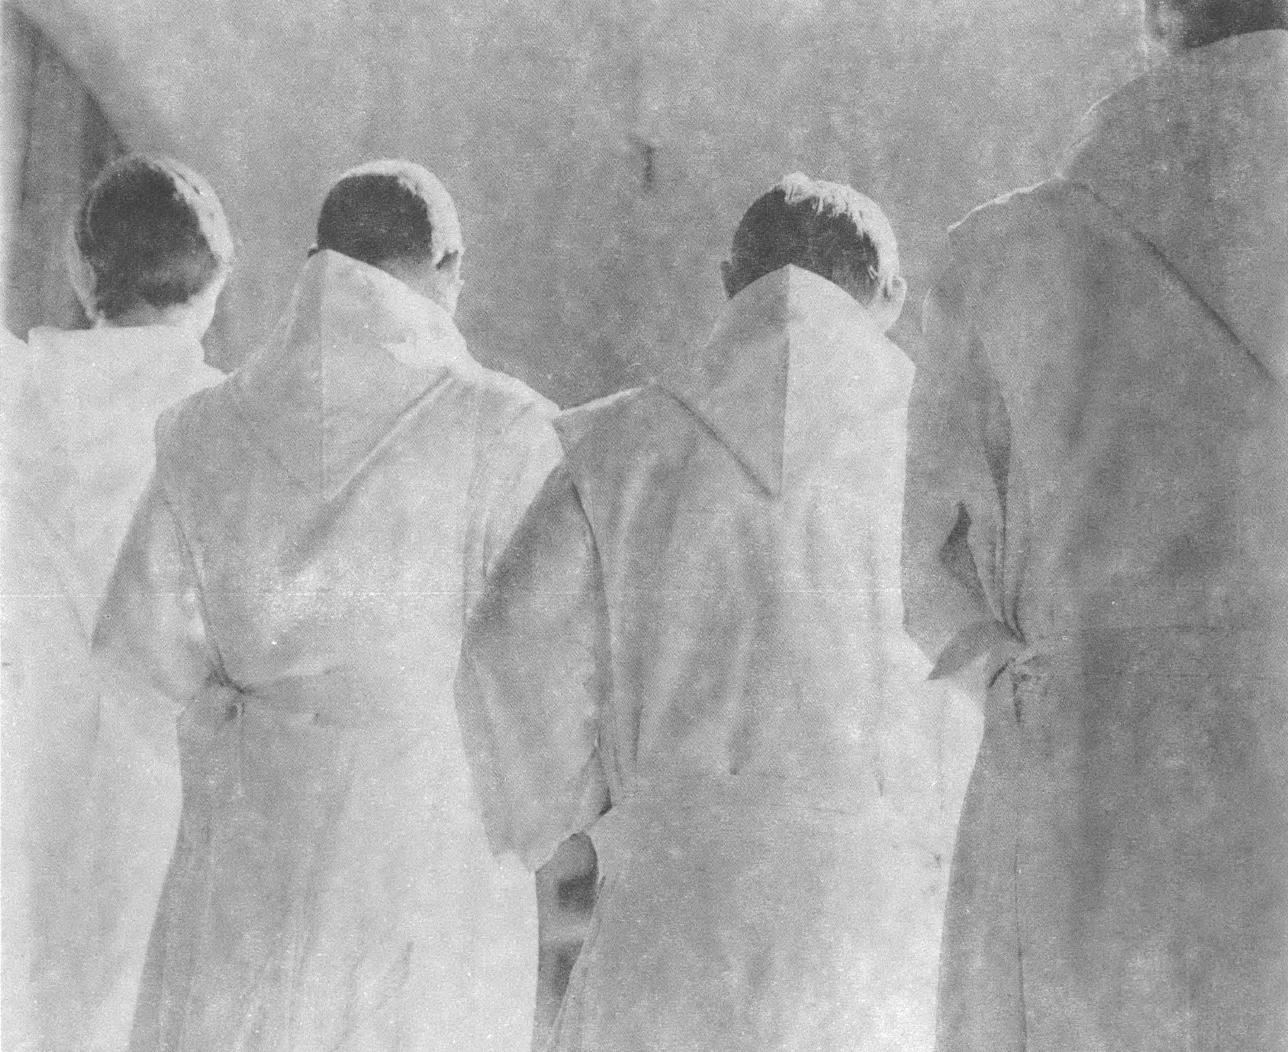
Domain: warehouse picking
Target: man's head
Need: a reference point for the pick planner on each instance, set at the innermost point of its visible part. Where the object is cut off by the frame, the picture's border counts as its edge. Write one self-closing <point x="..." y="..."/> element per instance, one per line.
<point x="397" y="216"/>
<point x="150" y="244"/>
<point x="826" y="228"/>
<point x="1182" y="24"/>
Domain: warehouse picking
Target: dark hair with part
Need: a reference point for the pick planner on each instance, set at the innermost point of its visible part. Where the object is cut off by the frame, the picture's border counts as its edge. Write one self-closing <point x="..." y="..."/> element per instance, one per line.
<point x="821" y="227"/>
<point x="375" y="218"/>
<point x="150" y="232"/>
<point x="388" y="210"/>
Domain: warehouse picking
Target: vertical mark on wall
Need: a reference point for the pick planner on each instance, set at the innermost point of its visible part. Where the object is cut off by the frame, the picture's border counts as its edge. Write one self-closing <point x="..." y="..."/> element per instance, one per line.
<point x="650" y="153"/>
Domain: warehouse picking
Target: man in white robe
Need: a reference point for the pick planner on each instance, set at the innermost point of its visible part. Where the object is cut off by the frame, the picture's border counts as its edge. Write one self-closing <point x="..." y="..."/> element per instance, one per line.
<point x="149" y="252"/>
<point x="1097" y="498"/>
<point x="48" y="703"/>
<point x="298" y="578"/>
<point x="697" y="630"/>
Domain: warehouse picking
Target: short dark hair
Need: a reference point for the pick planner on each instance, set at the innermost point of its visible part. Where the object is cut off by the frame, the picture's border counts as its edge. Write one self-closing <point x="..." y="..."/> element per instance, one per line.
<point x="822" y="227"/>
<point x="1201" y="22"/>
<point x="386" y="211"/>
<point x="151" y="232"/>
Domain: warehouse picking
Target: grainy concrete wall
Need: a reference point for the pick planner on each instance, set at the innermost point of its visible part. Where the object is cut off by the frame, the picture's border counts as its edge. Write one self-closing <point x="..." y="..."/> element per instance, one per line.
<point x="601" y="150"/>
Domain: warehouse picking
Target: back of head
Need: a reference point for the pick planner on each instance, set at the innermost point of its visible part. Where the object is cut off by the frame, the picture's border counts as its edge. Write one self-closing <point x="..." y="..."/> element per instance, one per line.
<point x="150" y="234"/>
<point x="1183" y="24"/>
<point x="389" y="212"/>
<point x="827" y="228"/>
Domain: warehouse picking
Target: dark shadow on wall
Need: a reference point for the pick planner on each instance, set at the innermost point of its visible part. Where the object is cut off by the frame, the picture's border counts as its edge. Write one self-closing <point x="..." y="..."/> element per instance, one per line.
<point x="71" y="106"/>
<point x="59" y="140"/>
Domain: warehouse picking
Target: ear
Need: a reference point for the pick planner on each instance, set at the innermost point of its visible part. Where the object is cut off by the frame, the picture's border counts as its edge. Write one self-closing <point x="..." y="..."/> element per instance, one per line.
<point x="81" y="275"/>
<point x="888" y="304"/>
<point x="726" y="278"/>
<point x="220" y="280"/>
<point x="199" y="312"/>
<point x="449" y="263"/>
<point x="443" y="283"/>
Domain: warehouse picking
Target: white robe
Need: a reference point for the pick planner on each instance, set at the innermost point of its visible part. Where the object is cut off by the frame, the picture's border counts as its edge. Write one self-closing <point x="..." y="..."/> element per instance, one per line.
<point x="698" y="626"/>
<point x="48" y="703"/>
<point x="298" y="577"/>
<point x="81" y="410"/>
<point x="103" y="390"/>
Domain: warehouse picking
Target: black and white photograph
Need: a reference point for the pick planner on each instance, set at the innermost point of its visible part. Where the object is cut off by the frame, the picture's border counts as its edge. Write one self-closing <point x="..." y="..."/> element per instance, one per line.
<point x="644" y="526"/>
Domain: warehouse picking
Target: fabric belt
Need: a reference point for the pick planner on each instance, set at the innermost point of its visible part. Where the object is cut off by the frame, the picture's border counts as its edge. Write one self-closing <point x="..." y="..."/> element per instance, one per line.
<point x="1170" y="650"/>
<point x="338" y="698"/>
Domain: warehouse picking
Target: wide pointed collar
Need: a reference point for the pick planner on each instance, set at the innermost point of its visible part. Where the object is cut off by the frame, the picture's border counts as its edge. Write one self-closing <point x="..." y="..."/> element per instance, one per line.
<point x="792" y="360"/>
<point x="342" y="302"/>
<point x="357" y="349"/>
<point x="1193" y="156"/>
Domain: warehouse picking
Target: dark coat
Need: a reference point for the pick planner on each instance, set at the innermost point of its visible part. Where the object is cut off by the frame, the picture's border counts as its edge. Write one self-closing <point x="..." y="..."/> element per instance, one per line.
<point x="1096" y="495"/>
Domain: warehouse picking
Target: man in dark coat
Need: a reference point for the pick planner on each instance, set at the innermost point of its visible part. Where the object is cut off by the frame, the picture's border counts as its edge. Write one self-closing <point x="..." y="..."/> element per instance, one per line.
<point x="1096" y="504"/>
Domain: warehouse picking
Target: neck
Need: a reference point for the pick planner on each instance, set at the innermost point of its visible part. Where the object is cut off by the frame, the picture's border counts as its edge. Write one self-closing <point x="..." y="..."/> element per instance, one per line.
<point x="192" y="317"/>
<point x="141" y="316"/>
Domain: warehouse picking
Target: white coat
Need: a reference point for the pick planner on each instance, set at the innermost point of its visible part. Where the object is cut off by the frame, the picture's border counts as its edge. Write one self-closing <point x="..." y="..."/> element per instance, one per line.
<point x="298" y="577"/>
<point x="698" y="627"/>
<point x="81" y="409"/>
<point x="103" y="390"/>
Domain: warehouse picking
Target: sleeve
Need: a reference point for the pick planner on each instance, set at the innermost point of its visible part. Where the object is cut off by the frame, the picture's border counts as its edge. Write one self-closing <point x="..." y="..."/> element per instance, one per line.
<point x="533" y="675"/>
<point x="507" y="479"/>
<point x="151" y="629"/>
<point x="954" y="491"/>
